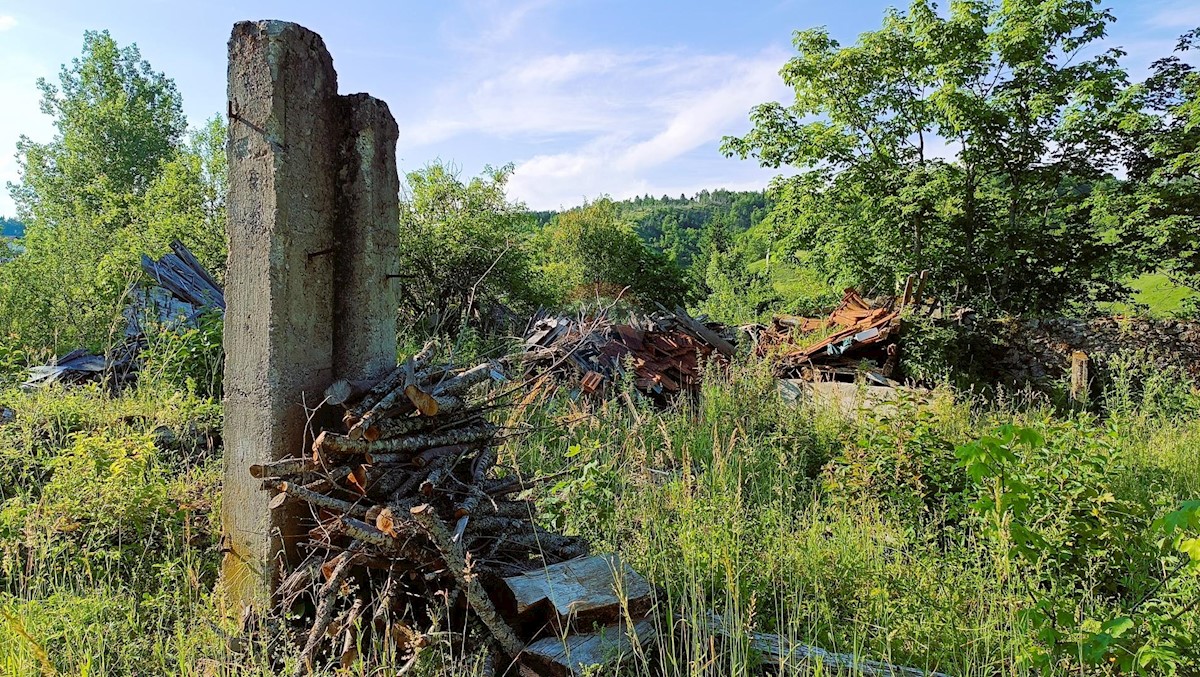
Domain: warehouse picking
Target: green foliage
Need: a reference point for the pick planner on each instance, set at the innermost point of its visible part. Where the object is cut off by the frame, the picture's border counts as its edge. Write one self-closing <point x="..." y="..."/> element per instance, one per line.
<point x="1002" y="225"/>
<point x="590" y="252"/>
<point x="13" y="360"/>
<point x="736" y="294"/>
<point x="1047" y="500"/>
<point x="464" y="250"/>
<point x="678" y="227"/>
<point x="107" y="491"/>
<point x="1156" y="211"/>
<point x="107" y="535"/>
<point x="945" y="352"/>
<point x="901" y="457"/>
<point x="116" y="120"/>
<point x="186" y="202"/>
<point x="89" y="197"/>
<point x="583" y="498"/>
<point x="187" y="359"/>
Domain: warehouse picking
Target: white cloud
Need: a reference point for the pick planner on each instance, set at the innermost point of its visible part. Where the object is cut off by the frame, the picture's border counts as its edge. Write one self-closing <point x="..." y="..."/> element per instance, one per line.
<point x="1184" y="15"/>
<point x="7" y="21"/>
<point x="617" y="120"/>
<point x="646" y="150"/>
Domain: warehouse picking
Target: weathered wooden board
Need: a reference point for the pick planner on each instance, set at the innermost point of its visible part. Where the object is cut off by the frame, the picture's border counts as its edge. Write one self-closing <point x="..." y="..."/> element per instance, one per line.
<point x="780" y="653"/>
<point x="577" y="593"/>
<point x="609" y="647"/>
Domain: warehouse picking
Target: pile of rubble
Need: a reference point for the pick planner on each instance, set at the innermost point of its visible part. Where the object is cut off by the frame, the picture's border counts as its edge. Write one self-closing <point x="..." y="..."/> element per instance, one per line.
<point x="183" y="292"/>
<point x="1038" y="351"/>
<point x="408" y="522"/>
<point x="666" y="351"/>
<point x="858" y="332"/>
<point x="855" y="331"/>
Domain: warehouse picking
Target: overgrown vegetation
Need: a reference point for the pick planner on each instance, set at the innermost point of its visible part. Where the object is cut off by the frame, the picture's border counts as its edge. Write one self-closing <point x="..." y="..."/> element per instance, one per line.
<point x="973" y="539"/>
<point x="1002" y="536"/>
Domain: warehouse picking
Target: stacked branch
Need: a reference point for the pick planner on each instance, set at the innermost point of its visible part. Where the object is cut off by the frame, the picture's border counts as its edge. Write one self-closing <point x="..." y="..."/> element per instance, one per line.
<point x="407" y="519"/>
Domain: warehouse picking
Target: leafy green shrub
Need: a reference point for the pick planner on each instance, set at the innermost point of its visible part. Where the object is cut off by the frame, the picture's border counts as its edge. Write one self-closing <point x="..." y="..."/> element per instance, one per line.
<point x="938" y="351"/>
<point x="901" y="455"/>
<point x="582" y="500"/>
<point x="1091" y="560"/>
<point x="110" y="490"/>
<point x="187" y="360"/>
<point x="592" y="252"/>
<point x="106" y="501"/>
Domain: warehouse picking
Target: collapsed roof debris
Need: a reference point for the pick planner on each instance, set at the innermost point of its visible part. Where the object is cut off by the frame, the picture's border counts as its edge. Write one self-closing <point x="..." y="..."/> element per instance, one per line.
<point x="667" y="350"/>
<point x="187" y="291"/>
<point x="836" y="347"/>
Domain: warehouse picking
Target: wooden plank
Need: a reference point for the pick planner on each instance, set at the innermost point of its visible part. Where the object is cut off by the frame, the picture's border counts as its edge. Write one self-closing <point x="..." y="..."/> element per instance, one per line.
<point x="780" y="654"/>
<point x="606" y="649"/>
<point x="908" y="292"/>
<point x="705" y="334"/>
<point x="1080" y="381"/>
<point x="186" y="255"/>
<point x="576" y="593"/>
<point x="918" y="293"/>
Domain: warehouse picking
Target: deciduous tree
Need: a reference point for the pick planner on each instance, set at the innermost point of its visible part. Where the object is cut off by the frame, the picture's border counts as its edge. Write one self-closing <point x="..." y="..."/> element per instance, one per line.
<point x="959" y="140"/>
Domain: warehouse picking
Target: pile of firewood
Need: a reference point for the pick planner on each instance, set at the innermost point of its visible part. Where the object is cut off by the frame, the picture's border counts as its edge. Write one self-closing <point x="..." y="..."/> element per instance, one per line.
<point x="408" y="518"/>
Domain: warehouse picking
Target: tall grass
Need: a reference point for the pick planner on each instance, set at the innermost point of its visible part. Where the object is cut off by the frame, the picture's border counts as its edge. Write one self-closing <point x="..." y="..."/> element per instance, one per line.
<point x="847" y="531"/>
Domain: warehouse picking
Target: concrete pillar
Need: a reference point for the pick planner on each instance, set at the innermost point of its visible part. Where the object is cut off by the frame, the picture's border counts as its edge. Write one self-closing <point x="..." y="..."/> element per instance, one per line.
<point x="368" y="217"/>
<point x="313" y="215"/>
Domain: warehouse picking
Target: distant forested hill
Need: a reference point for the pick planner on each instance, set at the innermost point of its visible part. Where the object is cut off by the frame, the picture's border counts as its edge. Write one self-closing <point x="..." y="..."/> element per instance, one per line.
<point x="11" y="227"/>
<point x="679" y="227"/>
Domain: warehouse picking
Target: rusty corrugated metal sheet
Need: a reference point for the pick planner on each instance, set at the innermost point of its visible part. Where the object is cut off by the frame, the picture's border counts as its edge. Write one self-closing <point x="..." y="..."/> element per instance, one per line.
<point x="858" y="330"/>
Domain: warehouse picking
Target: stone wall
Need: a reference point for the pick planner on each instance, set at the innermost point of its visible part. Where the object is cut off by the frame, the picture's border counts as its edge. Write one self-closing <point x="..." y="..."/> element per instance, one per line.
<point x="1038" y="352"/>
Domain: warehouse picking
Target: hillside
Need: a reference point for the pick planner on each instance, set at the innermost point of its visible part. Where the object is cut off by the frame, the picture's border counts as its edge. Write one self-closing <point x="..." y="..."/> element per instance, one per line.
<point x="11" y="227"/>
<point x="680" y="227"/>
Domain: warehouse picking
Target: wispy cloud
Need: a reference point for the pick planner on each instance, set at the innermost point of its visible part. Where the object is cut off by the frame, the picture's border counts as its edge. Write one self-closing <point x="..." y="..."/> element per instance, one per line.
<point x="680" y="115"/>
<point x="7" y="21"/>
<point x="508" y="21"/>
<point x="581" y="119"/>
<point x="617" y="120"/>
<point x="1184" y="15"/>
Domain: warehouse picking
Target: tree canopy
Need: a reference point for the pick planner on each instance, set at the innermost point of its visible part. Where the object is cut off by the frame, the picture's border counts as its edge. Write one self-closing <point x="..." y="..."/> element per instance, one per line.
<point x="591" y="252"/>
<point x="463" y="248"/>
<point x="109" y="186"/>
<point x="965" y="141"/>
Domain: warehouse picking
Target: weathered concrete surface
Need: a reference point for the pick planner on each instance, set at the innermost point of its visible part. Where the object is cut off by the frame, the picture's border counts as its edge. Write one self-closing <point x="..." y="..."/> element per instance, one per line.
<point x="368" y="214"/>
<point x="283" y="147"/>
<point x="850" y="400"/>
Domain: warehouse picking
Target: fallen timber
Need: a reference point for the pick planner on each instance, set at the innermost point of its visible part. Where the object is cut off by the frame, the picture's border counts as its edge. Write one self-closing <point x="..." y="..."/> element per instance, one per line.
<point x="183" y="291"/>
<point x="410" y="528"/>
<point x="781" y="654"/>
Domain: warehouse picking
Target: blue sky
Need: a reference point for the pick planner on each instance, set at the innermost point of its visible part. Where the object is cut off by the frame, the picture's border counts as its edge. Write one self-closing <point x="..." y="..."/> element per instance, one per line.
<point x="585" y="97"/>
